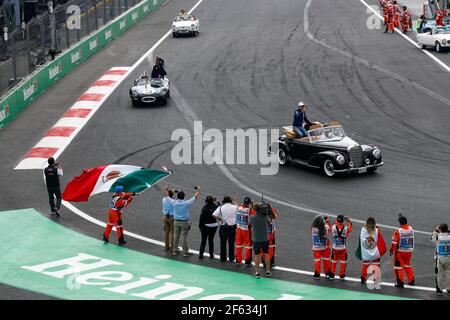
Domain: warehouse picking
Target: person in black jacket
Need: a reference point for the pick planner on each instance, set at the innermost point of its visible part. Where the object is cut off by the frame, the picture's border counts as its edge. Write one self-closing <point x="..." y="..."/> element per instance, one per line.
<point x="158" y="69"/>
<point x="208" y="226"/>
<point x="52" y="173"/>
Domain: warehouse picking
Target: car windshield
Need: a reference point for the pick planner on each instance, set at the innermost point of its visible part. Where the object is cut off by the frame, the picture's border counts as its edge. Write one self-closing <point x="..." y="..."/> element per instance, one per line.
<point x="153" y="82"/>
<point x="185" y="17"/>
<point x="332" y="133"/>
<point x="443" y="30"/>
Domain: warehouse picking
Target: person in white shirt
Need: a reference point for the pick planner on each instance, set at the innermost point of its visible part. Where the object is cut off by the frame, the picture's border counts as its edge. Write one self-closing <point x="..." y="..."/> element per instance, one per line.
<point x="441" y="238"/>
<point x="226" y="217"/>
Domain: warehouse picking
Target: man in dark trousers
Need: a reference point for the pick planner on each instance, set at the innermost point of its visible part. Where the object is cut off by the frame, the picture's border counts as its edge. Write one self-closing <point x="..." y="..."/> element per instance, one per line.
<point x="158" y="69"/>
<point x="52" y="173"/>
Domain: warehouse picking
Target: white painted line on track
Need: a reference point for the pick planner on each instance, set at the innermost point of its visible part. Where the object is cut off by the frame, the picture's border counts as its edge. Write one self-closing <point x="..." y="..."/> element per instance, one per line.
<point x="365" y="62"/>
<point x="437" y="60"/>
<point x="84" y="104"/>
<point x="71" y="122"/>
<point x="52" y="142"/>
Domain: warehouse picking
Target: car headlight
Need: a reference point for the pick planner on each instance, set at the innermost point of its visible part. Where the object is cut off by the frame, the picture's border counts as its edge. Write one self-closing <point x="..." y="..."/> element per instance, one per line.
<point x="377" y="153"/>
<point x="351" y="164"/>
<point x="444" y="42"/>
<point x="367" y="161"/>
<point x="192" y="25"/>
<point x="133" y="91"/>
<point x="340" y="159"/>
<point x="174" y="26"/>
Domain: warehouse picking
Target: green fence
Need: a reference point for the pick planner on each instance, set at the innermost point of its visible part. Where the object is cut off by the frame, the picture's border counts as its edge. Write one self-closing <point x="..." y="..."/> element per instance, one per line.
<point x="20" y="97"/>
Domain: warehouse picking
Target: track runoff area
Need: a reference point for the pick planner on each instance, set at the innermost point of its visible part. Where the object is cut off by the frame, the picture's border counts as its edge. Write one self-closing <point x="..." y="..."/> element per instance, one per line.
<point x="69" y="265"/>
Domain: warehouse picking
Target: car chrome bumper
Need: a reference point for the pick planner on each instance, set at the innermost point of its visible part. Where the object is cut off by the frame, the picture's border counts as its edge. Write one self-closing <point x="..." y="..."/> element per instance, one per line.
<point x="184" y="30"/>
<point x="360" y="169"/>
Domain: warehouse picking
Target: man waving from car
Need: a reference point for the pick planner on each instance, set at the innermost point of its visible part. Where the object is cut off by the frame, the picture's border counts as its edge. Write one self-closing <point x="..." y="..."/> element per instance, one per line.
<point x="158" y="69"/>
<point x="300" y="119"/>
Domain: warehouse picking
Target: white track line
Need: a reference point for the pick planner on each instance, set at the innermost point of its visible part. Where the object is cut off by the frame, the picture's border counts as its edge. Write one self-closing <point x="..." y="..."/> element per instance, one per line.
<point x="367" y="63"/>
<point x="189" y="113"/>
<point x="438" y="61"/>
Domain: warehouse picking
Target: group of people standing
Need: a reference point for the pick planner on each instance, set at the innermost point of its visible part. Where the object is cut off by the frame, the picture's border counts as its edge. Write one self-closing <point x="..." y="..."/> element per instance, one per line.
<point x="244" y="230"/>
<point x="329" y="244"/>
<point x="394" y="17"/>
<point x="249" y="228"/>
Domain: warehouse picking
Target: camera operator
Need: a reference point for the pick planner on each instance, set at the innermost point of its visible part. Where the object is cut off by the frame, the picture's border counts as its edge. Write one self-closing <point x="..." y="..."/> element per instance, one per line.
<point x="52" y="173"/>
<point x="259" y="223"/>
<point x="441" y="238"/>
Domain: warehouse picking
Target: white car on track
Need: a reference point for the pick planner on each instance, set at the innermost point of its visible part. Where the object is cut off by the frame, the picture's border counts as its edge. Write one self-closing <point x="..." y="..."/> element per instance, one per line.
<point x="185" y="24"/>
<point x="438" y="37"/>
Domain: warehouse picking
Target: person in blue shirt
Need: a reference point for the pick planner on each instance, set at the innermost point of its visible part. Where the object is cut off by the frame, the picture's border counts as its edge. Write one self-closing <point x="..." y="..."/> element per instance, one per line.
<point x="300" y="119"/>
<point x="182" y="223"/>
<point x="168" y="221"/>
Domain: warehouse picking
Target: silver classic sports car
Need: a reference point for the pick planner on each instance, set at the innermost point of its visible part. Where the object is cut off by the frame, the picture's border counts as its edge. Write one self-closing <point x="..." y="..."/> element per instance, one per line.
<point x="328" y="148"/>
<point x="185" y="24"/>
<point x="150" y="90"/>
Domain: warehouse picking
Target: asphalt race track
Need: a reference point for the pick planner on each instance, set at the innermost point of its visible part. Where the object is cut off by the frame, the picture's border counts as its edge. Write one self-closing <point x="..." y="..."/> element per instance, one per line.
<point x="250" y="65"/>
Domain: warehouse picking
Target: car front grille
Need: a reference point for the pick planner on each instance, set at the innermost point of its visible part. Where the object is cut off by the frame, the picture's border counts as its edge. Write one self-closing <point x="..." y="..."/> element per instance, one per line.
<point x="356" y="156"/>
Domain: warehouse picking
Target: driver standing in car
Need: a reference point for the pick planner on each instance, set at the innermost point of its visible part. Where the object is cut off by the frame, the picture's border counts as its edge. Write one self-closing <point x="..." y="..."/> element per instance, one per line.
<point x="299" y="119"/>
<point x="158" y="69"/>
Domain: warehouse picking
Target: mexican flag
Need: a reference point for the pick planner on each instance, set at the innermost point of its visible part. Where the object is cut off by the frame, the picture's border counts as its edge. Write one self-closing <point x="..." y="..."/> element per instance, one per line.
<point x="106" y="178"/>
<point x="371" y="246"/>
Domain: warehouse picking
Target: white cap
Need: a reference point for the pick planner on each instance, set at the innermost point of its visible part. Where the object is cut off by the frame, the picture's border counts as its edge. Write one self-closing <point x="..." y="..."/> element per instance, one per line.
<point x="301" y="104"/>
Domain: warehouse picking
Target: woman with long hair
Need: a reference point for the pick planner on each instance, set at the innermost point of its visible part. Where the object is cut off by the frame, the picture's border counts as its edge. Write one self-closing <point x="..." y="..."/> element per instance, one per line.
<point x="320" y="231"/>
<point x="208" y="226"/>
<point x="371" y="248"/>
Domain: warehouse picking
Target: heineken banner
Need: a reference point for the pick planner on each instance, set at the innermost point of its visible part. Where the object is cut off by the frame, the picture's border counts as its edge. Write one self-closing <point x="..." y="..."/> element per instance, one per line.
<point x="20" y="97"/>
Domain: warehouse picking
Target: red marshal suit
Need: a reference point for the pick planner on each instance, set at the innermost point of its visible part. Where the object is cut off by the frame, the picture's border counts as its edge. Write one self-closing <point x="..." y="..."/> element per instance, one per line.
<point x="118" y="202"/>
<point x="339" y="255"/>
<point x="389" y="18"/>
<point x="271" y="234"/>
<point x="243" y="234"/>
<point x="402" y="247"/>
<point x="321" y="249"/>
<point x="406" y="21"/>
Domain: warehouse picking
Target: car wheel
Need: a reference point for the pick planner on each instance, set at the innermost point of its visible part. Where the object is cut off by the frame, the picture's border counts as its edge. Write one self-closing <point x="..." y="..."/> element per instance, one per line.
<point x="328" y="168"/>
<point x="174" y="34"/>
<point x="164" y="101"/>
<point x="168" y="94"/>
<point x="422" y="46"/>
<point x="283" y="157"/>
<point x="196" y="33"/>
<point x="438" y="47"/>
<point x="134" y="103"/>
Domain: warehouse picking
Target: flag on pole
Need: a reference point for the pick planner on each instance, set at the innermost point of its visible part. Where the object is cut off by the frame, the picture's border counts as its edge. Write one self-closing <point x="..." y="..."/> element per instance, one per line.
<point x="371" y="246"/>
<point x="106" y="178"/>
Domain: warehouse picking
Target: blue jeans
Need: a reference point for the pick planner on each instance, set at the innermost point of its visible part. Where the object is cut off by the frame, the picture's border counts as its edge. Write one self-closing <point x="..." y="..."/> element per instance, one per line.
<point x="300" y="131"/>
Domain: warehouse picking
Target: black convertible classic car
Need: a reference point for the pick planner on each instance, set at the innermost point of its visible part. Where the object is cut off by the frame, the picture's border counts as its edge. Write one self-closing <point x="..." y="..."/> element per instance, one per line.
<point x="328" y="148"/>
